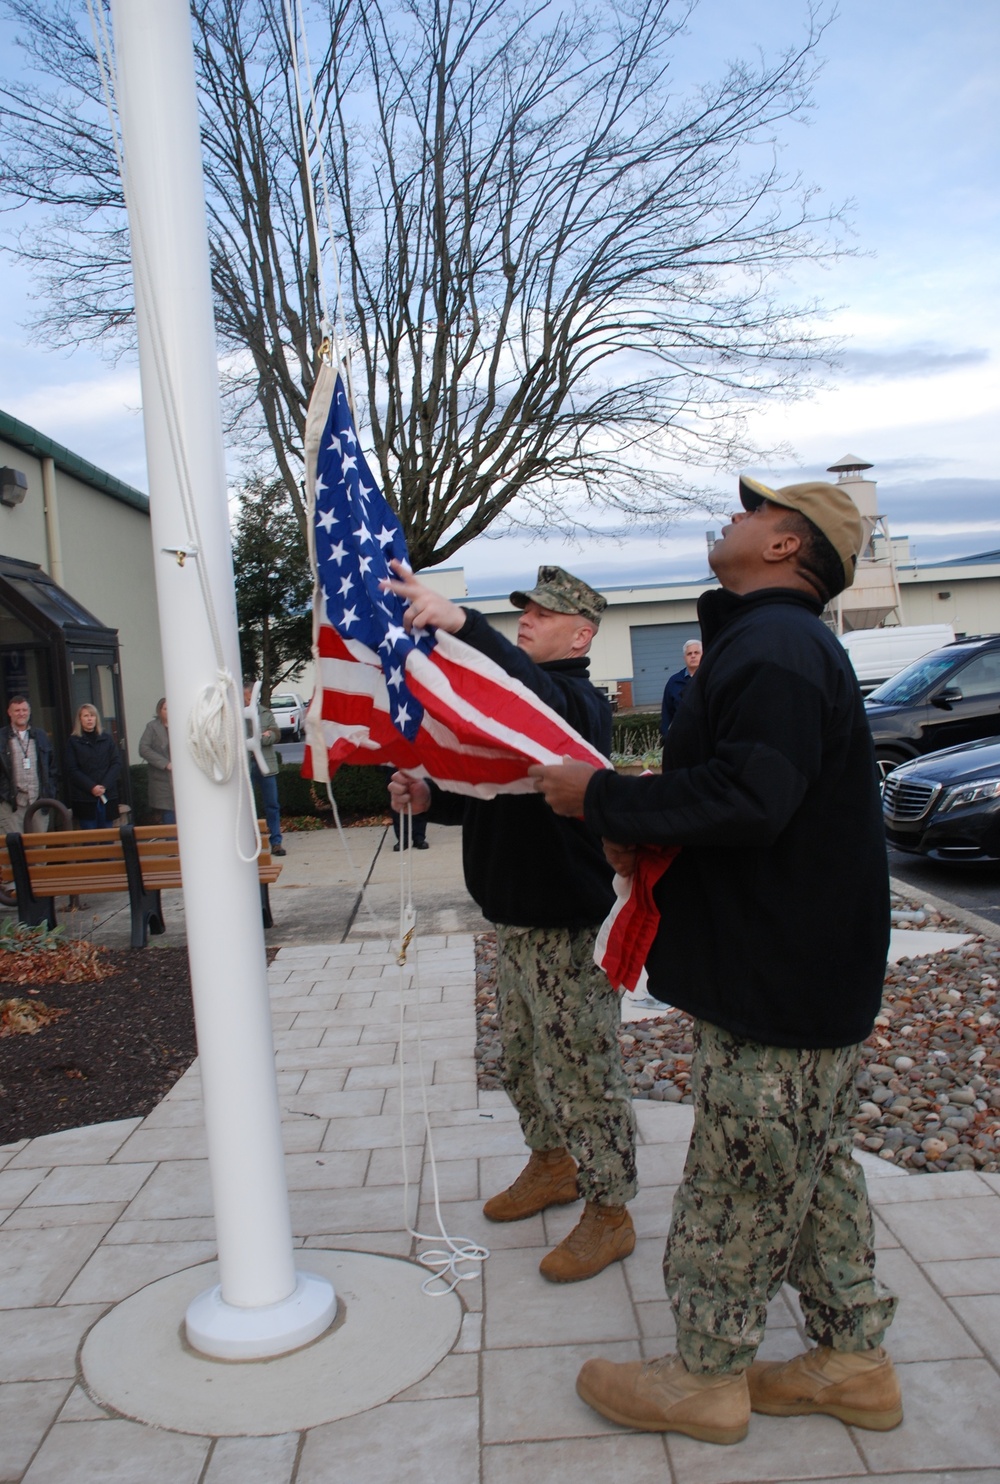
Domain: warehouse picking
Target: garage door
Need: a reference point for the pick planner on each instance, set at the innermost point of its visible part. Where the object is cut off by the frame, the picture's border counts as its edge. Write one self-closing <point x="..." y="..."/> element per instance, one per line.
<point x="657" y="651"/>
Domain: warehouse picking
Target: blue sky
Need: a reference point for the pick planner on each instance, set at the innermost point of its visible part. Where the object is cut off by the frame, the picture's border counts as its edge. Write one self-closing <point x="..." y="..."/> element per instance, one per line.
<point x="905" y="124"/>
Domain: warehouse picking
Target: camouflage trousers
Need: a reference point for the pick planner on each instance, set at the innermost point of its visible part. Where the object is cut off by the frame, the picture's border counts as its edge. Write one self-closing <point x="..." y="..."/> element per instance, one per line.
<point x="771" y="1194"/>
<point x="562" y="1063"/>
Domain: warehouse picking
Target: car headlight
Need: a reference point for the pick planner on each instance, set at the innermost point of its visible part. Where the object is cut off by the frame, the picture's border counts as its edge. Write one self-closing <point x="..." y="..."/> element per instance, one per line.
<point x="970" y="793"/>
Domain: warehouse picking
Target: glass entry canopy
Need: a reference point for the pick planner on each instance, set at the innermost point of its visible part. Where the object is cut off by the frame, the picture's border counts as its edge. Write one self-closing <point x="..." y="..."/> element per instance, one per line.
<point x="59" y="655"/>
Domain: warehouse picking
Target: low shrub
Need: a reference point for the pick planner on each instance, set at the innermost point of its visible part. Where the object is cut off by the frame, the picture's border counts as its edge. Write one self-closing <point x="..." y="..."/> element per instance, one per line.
<point x="636" y="739"/>
<point x="356" y="790"/>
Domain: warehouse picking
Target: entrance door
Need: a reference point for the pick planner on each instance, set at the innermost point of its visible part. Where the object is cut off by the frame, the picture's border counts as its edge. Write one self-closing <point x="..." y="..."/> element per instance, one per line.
<point x="94" y="678"/>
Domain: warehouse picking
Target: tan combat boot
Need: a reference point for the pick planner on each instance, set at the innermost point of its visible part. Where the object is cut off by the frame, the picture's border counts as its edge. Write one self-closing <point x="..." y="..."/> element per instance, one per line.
<point x="603" y="1235"/>
<point x="859" y="1387"/>
<point x="548" y="1179"/>
<point x="663" y="1396"/>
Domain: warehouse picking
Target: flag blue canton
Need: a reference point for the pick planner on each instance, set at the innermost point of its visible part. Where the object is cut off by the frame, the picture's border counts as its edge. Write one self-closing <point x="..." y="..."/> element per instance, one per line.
<point x="357" y="535"/>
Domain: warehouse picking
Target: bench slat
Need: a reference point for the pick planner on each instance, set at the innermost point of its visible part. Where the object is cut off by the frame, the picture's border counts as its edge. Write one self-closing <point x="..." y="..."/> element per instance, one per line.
<point x="92" y="862"/>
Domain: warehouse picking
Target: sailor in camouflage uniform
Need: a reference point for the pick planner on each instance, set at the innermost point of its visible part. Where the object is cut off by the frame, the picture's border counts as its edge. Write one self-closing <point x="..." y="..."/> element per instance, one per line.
<point x="545" y="883"/>
<point x="780" y="888"/>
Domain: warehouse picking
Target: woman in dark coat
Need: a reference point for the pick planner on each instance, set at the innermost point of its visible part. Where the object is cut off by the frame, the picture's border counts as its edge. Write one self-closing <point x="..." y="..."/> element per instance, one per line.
<point x="93" y="767"/>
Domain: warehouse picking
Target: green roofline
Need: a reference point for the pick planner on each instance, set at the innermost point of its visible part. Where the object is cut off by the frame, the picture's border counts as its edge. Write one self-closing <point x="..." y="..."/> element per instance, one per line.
<point x="13" y="431"/>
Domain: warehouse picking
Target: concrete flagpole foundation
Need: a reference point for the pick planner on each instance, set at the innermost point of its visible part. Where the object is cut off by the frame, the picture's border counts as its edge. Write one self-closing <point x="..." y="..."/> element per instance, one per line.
<point x="261" y="1307"/>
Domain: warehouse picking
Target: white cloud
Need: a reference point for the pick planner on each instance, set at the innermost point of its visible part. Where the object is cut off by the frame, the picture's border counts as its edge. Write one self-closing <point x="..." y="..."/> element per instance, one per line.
<point x="78" y="404"/>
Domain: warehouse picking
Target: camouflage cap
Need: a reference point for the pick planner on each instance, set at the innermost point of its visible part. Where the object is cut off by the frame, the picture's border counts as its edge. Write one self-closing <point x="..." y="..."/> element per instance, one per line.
<point x="563" y="593"/>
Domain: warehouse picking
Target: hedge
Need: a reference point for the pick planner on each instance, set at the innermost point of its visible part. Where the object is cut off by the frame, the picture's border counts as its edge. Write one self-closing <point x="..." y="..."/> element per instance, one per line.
<point x="357" y="791"/>
<point x="635" y="733"/>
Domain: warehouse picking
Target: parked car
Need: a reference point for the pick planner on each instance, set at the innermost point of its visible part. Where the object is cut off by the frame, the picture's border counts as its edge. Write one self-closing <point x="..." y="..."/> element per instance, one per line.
<point x="948" y="697"/>
<point x="947" y="805"/>
<point x="878" y="654"/>
<point x="290" y="714"/>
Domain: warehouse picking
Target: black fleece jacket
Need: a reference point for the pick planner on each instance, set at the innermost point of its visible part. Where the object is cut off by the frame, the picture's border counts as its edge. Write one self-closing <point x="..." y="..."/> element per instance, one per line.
<point x="524" y="866"/>
<point x="775" y="914"/>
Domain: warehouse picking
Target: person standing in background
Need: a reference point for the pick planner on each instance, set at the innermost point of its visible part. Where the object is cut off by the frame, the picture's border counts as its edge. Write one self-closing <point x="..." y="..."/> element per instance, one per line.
<point x="27" y="769"/>
<point x="93" y="768"/>
<point x="678" y="683"/>
<point x="268" y="781"/>
<point x="154" y="748"/>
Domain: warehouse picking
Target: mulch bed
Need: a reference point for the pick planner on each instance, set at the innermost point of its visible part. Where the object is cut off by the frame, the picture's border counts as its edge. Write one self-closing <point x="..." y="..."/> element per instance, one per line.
<point x="123" y="1043"/>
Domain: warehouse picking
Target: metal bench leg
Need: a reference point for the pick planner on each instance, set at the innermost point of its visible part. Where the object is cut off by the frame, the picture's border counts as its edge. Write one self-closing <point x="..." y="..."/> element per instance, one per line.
<point x="31" y="910"/>
<point x="145" y="906"/>
<point x="265" y="906"/>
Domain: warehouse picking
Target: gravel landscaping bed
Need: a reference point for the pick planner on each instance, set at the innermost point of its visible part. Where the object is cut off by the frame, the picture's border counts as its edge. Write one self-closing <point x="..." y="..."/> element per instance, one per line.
<point x="929" y="1086"/>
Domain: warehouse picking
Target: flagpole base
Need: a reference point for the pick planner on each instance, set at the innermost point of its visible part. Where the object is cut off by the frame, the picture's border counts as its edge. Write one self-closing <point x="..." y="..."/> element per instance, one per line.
<point x="227" y="1332"/>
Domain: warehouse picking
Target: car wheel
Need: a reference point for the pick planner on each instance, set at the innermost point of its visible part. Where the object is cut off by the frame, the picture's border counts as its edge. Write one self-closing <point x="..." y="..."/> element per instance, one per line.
<point x="888" y="758"/>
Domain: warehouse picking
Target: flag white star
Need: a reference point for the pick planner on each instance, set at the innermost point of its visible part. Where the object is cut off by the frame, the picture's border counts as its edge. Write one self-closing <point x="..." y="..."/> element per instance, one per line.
<point x="350" y="616"/>
<point x="364" y="534"/>
<point x="321" y="485"/>
<point x="395" y="677"/>
<point x="385" y="537"/>
<point x="346" y="583"/>
<point x="365" y="565"/>
<point x="338" y="552"/>
<point x="335" y="443"/>
<point x="326" y="519"/>
<point x="402" y="716"/>
<point x="394" y="632"/>
<point x="349" y="437"/>
<point x="348" y="462"/>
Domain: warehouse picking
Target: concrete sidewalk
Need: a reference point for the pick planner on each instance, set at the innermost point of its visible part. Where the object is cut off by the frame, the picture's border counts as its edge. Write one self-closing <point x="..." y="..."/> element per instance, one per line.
<point x="91" y="1217"/>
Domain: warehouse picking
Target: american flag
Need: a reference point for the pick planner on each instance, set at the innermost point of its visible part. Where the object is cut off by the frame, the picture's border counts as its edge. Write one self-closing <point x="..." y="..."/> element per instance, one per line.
<point x="424" y="701"/>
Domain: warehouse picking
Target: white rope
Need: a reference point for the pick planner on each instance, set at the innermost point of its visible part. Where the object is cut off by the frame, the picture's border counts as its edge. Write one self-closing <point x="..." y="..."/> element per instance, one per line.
<point x="310" y="194"/>
<point x="218" y="745"/>
<point x="444" y="1261"/>
<point x="215" y="725"/>
<point x="446" y="1274"/>
<point x="338" y="336"/>
<point x="325" y="189"/>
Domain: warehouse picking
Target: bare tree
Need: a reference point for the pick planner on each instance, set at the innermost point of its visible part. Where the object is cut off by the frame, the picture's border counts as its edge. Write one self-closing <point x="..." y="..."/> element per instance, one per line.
<point x="562" y="277"/>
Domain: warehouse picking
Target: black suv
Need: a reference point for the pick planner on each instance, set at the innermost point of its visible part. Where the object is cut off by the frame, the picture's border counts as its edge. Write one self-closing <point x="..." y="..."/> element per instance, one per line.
<point x="949" y="696"/>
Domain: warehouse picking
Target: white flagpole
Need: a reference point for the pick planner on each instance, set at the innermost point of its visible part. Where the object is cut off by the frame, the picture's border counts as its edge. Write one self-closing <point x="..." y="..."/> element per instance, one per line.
<point x="262" y="1307"/>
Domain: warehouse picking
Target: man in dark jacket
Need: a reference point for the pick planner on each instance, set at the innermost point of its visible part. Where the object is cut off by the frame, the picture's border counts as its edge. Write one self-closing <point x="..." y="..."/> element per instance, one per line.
<point x="27" y="769"/>
<point x="769" y="788"/>
<point x="545" y="882"/>
<point x="678" y="683"/>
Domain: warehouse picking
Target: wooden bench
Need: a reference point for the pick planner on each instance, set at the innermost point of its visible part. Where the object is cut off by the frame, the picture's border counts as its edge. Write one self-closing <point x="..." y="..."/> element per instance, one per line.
<point x="140" y="859"/>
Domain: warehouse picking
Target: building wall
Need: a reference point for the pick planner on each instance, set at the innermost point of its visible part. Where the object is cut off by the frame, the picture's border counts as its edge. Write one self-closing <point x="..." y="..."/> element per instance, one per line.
<point x="107" y="565"/>
<point x="972" y="604"/>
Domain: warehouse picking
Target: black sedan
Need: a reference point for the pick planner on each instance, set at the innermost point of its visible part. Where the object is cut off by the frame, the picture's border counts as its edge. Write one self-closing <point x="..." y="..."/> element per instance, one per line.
<point x="949" y="696"/>
<point x="947" y="806"/>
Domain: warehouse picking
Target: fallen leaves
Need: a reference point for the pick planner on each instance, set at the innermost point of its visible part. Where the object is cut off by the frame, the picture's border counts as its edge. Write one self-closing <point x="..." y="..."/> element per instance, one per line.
<point x="26" y="1017"/>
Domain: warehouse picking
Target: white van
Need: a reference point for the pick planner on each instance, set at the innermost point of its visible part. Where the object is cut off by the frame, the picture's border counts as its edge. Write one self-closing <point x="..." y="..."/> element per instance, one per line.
<point x="877" y="654"/>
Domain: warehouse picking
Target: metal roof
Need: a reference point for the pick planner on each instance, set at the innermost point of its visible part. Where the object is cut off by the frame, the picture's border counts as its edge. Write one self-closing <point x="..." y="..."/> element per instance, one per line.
<point x="20" y="435"/>
<point x="847" y="463"/>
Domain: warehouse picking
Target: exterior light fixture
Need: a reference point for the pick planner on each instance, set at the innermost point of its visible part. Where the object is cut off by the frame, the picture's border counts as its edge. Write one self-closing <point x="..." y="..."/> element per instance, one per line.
<point x="13" y="486"/>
